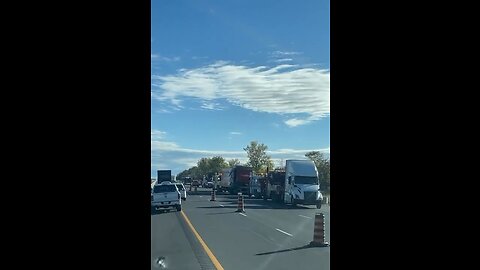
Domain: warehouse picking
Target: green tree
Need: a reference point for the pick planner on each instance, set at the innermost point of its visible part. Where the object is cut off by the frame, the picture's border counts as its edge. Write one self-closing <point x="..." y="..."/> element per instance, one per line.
<point x="216" y="164"/>
<point x="191" y="172"/>
<point x="203" y="166"/>
<point x="323" y="166"/>
<point x="257" y="157"/>
<point x="233" y="162"/>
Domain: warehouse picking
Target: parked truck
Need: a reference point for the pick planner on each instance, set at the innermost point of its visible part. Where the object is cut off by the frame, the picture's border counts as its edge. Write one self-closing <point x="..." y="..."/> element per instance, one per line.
<point x="273" y="185"/>
<point x="164" y="175"/>
<point x="225" y="180"/>
<point x="240" y="177"/>
<point x="254" y="186"/>
<point x="301" y="183"/>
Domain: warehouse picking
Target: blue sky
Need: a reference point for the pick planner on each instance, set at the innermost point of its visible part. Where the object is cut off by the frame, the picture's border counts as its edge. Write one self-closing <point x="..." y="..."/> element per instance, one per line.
<point x="227" y="72"/>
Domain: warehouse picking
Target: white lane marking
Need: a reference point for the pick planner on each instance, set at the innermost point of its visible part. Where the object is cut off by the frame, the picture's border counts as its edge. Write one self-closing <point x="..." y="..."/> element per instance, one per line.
<point x="242" y="214"/>
<point x="201" y="196"/>
<point x="222" y="205"/>
<point x="305" y="217"/>
<point x="283" y="232"/>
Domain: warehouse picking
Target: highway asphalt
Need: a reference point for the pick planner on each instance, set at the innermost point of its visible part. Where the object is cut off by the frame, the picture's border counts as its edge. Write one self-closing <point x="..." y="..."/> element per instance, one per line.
<point x="266" y="236"/>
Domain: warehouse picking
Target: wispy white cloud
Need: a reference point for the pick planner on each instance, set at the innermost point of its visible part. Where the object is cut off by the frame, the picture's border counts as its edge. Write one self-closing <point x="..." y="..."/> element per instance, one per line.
<point x="211" y="106"/>
<point x="283" y="60"/>
<point x="157" y="134"/>
<point x="235" y="133"/>
<point x="284" y="53"/>
<point x="283" y="89"/>
<point x="162" y="111"/>
<point x="157" y="57"/>
<point x="296" y="122"/>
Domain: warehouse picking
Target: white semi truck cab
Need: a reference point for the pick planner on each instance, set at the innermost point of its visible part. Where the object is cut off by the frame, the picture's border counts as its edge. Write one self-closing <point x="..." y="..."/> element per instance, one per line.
<point x="301" y="183"/>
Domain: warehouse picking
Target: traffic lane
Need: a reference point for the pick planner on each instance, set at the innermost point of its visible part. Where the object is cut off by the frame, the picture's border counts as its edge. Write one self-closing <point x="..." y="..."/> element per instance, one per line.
<point x="278" y="213"/>
<point x="297" y="220"/>
<point x="200" y="191"/>
<point x="239" y="242"/>
<point x="255" y="233"/>
<point x="169" y="241"/>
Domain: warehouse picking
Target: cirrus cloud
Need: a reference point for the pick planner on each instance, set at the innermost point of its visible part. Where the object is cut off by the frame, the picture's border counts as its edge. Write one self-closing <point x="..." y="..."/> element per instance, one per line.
<point x="303" y="92"/>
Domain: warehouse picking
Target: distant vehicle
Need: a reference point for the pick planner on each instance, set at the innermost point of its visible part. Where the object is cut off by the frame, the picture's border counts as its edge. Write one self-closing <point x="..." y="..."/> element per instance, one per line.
<point x="195" y="183"/>
<point x="187" y="180"/>
<point x="209" y="184"/>
<point x="166" y="196"/>
<point x="183" y="191"/>
<point x="240" y="177"/>
<point x="254" y="186"/>
<point x="164" y="175"/>
<point x="273" y="185"/>
<point x="225" y="180"/>
<point x="301" y="183"/>
<point x="166" y="183"/>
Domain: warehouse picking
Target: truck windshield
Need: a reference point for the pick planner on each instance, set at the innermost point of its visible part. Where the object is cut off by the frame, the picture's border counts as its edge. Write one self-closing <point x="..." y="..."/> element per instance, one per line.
<point x="164" y="188"/>
<point x="306" y="180"/>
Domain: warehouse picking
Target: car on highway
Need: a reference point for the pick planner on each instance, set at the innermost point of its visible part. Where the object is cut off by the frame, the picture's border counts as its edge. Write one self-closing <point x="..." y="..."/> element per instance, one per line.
<point x="166" y="183"/>
<point x="195" y="183"/>
<point x="183" y="191"/>
<point x="166" y="196"/>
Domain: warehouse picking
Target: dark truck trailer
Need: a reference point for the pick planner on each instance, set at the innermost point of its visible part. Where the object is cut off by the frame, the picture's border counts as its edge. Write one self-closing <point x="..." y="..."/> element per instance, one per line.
<point x="273" y="186"/>
<point x="164" y="175"/>
<point x="240" y="176"/>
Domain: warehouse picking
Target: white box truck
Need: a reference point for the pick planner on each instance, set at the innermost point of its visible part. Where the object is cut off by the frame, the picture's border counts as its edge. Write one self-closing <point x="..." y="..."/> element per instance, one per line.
<point x="225" y="180"/>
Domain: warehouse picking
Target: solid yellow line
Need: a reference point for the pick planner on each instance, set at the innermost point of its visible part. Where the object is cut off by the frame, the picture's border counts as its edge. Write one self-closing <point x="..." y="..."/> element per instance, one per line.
<point x="205" y="247"/>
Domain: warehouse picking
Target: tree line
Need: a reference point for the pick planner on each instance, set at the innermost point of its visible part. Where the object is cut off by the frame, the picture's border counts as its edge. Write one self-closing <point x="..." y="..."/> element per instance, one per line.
<point x="258" y="160"/>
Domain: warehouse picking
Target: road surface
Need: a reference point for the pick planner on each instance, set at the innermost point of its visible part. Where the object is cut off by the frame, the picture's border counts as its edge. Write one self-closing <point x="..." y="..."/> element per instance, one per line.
<point x="266" y="236"/>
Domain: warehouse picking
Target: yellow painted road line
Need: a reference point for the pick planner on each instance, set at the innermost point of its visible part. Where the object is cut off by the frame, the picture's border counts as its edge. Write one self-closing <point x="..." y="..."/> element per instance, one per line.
<point x="205" y="247"/>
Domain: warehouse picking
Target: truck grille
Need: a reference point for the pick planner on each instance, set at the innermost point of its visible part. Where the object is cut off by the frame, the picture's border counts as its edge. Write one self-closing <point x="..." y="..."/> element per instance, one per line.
<point x="310" y="196"/>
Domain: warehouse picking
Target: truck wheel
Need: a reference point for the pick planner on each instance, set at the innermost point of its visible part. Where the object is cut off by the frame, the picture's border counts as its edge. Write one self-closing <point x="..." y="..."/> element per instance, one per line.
<point x="319" y="205"/>
<point x="179" y="208"/>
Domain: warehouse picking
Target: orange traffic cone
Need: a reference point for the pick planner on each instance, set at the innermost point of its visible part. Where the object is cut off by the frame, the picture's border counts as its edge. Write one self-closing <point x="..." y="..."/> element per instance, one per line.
<point x="240" y="207"/>
<point x="213" y="195"/>
<point x="319" y="232"/>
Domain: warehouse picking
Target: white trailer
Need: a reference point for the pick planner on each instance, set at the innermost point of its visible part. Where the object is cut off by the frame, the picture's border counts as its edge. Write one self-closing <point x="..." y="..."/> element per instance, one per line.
<point x="225" y="180"/>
